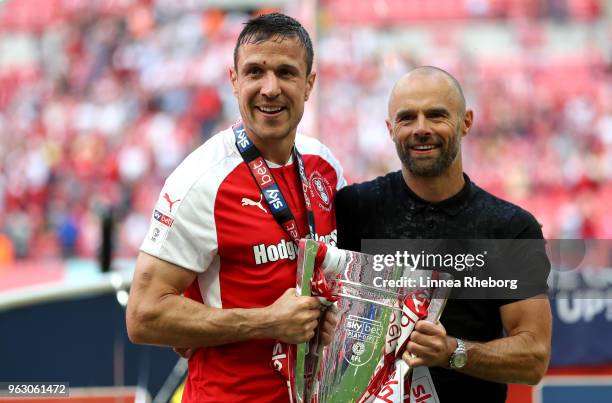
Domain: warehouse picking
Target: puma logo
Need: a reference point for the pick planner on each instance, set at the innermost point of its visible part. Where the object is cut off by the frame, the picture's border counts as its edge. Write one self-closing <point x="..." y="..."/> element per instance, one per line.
<point x="248" y="202"/>
<point x="170" y="202"/>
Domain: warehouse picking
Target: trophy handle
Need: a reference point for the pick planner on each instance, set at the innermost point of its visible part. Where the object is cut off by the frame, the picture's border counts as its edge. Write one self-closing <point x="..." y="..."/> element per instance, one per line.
<point x="306" y="265"/>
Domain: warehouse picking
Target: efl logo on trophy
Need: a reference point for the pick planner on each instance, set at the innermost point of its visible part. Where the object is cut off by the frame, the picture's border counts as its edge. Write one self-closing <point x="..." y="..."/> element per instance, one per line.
<point x="362" y="335"/>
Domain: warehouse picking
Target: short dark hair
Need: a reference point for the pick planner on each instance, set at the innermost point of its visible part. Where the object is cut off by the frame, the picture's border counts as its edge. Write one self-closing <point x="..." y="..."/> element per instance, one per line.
<point x="279" y="27"/>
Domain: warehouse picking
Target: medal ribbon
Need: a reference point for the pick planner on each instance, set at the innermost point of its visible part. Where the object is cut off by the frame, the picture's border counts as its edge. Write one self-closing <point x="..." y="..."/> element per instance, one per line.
<point x="269" y="188"/>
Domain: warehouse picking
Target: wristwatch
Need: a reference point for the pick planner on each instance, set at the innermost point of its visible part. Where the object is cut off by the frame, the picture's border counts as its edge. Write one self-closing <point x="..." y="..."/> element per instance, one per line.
<point x="458" y="358"/>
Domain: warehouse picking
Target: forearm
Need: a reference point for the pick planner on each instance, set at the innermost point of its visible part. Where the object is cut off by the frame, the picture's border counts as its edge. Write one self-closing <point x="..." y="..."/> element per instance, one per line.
<point x="514" y="359"/>
<point x="157" y="313"/>
<point x="174" y="320"/>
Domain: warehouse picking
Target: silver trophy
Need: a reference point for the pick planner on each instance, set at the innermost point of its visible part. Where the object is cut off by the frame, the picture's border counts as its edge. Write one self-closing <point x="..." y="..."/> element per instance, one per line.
<point x="372" y="317"/>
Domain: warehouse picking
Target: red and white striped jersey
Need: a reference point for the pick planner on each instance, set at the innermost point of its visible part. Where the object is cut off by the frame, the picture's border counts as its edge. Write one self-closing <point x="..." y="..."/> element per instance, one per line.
<point x="211" y="218"/>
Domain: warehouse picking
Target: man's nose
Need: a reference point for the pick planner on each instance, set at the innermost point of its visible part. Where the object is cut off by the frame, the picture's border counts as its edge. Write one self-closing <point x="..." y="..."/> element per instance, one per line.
<point x="422" y="125"/>
<point x="270" y="87"/>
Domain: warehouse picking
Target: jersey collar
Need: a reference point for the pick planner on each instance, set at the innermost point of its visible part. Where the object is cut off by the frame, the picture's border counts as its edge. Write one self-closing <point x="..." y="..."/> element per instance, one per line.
<point x="451" y="206"/>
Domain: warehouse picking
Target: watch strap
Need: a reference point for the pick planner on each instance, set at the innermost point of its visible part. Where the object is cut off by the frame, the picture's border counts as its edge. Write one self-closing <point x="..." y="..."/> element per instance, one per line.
<point x="461" y="349"/>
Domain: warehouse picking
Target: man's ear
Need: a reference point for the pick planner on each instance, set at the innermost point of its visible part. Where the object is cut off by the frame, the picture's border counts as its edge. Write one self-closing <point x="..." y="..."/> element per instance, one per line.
<point x="233" y="77"/>
<point x="310" y="80"/>
<point x="468" y="120"/>
<point x="389" y="128"/>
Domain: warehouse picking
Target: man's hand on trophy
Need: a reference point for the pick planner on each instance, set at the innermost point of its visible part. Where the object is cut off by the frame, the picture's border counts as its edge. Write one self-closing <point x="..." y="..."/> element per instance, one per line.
<point x="429" y="345"/>
<point x="328" y="326"/>
<point x="294" y="318"/>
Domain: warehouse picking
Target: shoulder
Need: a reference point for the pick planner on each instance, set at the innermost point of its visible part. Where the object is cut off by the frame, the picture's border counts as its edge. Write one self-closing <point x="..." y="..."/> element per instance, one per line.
<point x="359" y="208"/>
<point x="183" y="229"/>
<point x="516" y="221"/>
<point x="205" y="168"/>
<point x="365" y="195"/>
<point x="372" y="188"/>
<point x="309" y="146"/>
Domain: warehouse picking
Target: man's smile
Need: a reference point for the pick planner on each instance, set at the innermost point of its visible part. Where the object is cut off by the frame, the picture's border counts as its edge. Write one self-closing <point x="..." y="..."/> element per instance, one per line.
<point x="270" y="110"/>
<point x="422" y="149"/>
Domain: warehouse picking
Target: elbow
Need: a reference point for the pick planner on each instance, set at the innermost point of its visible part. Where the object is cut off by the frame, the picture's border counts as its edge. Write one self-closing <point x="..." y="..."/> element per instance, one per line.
<point x="137" y="323"/>
<point x="539" y="367"/>
<point x="535" y="377"/>
<point x="134" y="331"/>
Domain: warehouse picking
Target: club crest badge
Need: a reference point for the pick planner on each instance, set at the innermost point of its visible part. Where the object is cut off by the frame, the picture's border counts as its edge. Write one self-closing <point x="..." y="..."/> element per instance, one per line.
<point x="321" y="191"/>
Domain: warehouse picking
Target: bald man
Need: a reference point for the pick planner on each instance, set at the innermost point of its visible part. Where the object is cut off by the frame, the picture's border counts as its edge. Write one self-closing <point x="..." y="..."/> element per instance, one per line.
<point x="479" y="345"/>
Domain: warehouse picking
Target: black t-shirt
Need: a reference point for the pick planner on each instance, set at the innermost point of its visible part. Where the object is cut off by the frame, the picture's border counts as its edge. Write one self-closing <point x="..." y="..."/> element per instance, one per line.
<point x="386" y="208"/>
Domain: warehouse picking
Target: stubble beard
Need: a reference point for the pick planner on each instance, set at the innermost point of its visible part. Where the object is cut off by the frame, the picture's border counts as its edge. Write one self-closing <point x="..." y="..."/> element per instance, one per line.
<point x="430" y="168"/>
<point x="270" y="133"/>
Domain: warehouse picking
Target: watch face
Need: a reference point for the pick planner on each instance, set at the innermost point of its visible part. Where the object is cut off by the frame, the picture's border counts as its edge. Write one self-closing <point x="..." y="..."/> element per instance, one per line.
<point x="459" y="360"/>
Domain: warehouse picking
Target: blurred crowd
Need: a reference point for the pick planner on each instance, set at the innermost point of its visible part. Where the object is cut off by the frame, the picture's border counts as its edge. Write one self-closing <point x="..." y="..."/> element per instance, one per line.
<point x="98" y="106"/>
<point x="538" y="75"/>
<point x="100" y="100"/>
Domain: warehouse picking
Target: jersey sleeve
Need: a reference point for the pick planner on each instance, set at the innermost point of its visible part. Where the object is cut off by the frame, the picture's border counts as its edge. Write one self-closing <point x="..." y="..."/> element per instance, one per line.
<point x="182" y="227"/>
<point x="530" y="265"/>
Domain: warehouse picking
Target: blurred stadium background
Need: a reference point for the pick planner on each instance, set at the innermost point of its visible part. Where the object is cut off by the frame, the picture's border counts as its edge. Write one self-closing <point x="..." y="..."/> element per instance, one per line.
<point x="101" y="99"/>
